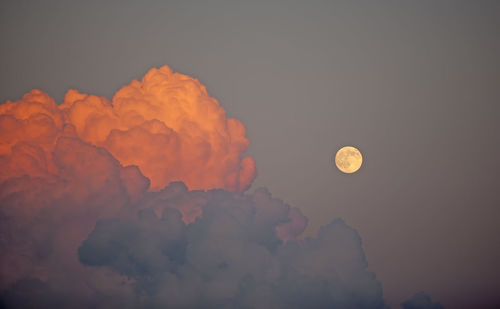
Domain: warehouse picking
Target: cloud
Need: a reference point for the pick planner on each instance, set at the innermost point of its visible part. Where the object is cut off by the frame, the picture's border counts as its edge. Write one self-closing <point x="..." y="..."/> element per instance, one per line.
<point x="64" y="167"/>
<point x="232" y="257"/>
<point x="102" y="250"/>
<point x="43" y="220"/>
<point x="139" y="202"/>
<point x="421" y="301"/>
<point x="166" y="124"/>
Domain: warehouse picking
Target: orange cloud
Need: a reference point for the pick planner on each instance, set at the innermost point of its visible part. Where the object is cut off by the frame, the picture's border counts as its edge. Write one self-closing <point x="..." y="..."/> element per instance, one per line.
<point x="65" y="167"/>
<point x="166" y="124"/>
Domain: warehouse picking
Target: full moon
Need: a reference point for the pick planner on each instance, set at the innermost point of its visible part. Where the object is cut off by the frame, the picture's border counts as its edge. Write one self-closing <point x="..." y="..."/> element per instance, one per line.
<point x="348" y="159"/>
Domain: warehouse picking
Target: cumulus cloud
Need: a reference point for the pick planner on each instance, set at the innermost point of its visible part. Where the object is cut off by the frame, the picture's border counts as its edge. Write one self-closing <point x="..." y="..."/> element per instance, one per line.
<point x="44" y="220"/>
<point x="139" y="202"/>
<point x="232" y="257"/>
<point x="166" y="124"/>
<point x="145" y="253"/>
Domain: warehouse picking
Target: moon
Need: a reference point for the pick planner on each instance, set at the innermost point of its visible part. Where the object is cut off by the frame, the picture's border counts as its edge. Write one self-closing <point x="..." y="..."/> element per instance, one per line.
<point x="348" y="159"/>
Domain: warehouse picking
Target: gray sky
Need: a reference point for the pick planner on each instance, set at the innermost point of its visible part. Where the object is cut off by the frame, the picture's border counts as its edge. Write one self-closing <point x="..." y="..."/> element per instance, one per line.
<point x="415" y="85"/>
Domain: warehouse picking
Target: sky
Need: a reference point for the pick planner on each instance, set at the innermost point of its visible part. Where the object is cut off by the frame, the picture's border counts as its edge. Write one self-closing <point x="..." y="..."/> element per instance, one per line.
<point x="414" y="85"/>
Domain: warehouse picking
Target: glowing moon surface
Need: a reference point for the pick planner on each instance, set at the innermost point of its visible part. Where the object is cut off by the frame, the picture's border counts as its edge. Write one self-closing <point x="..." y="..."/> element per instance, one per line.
<point x="348" y="159"/>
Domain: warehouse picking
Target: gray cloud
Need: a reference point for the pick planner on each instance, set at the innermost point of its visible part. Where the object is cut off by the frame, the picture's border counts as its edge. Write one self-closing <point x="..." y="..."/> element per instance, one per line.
<point x="421" y="301"/>
<point x="143" y="254"/>
<point x="94" y="237"/>
<point x="231" y="257"/>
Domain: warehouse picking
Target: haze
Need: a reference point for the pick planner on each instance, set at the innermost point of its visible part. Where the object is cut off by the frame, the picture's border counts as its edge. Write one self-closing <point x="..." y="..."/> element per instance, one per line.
<point x="415" y="85"/>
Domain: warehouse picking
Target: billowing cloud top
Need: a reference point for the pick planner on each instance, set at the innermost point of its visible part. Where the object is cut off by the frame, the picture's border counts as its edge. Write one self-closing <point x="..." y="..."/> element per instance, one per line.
<point x="166" y="124"/>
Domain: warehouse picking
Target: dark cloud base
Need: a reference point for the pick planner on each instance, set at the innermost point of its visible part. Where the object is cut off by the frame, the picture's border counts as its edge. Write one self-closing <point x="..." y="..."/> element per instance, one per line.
<point x="83" y="240"/>
<point x="232" y="258"/>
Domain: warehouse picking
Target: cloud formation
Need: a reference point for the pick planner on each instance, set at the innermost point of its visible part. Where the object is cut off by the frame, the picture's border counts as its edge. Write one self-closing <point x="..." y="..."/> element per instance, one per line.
<point x="166" y="124"/>
<point x="231" y="256"/>
<point x="142" y="253"/>
<point x="140" y="203"/>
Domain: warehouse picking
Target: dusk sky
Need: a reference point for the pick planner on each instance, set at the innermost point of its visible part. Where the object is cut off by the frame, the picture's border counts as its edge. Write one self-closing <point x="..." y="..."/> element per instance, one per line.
<point x="414" y="85"/>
